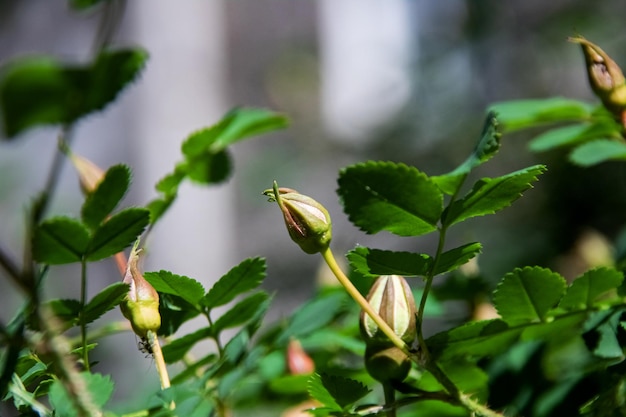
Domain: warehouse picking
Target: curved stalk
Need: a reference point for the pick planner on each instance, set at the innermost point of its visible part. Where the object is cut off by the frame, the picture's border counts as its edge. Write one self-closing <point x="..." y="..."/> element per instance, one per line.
<point x="327" y="254"/>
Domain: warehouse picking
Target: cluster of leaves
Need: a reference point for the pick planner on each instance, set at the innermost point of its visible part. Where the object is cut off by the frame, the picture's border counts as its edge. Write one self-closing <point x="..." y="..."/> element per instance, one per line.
<point x="534" y="304"/>
<point x="590" y="132"/>
<point x="594" y="133"/>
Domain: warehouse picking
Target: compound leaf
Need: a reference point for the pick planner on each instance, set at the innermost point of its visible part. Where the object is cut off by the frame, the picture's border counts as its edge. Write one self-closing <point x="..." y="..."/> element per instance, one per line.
<point x="388" y="196"/>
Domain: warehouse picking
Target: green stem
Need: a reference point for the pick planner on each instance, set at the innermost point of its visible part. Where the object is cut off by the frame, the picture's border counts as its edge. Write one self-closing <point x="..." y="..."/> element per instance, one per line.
<point x="327" y="254"/>
<point x="390" y="398"/>
<point x="425" y="354"/>
<point x="159" y="361"/>
<point x="83" y="302"/>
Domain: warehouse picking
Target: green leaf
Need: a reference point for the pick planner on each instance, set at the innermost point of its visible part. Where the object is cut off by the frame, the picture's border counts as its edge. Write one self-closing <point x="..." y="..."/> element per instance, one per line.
<point x="345" y="391"/>
<point x="319" y="392"/>
<point x="168" y="185"/>
<point x="210" y="168"/>
<point x="106" y="300"/>
<point x="184" y="287"/>
<point x="84" y="4"/>
<point x="244" y="277"/>
<point x="174" y="312"/>
<point x="67" y="311"/>
<point x="374" y="262"/>
<point x="176" y="349"/>
<point x="575" y="134"/>
<point x="101" y="202"/>
<point x="60" y="240"/>
<point x="64" y="93"/>
<point x="490" y="195"/>
<point x="520" y="114"/>
<point x="597" y="151"/>
<point x="452" y="259"/>
<point x="117" y="233"/>
<point x="526" y="295"/>
<point x="312" y="316"/>
<point x="388" y="196"/>
<point x="600" y="334"/>
<point x="159" y="206"/>
<point x="586" y="289"/>
<point x="246" y="310"/>
<point x="99" y="388"/>
<point x="485" y="149"/>
<point x="238" y="124"/>
<point x="477" y="339"/>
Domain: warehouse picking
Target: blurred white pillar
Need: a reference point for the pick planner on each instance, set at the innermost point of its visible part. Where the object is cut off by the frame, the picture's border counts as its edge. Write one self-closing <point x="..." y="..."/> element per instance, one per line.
<point x="366" y="52"/>
<point x="181" y="90"/>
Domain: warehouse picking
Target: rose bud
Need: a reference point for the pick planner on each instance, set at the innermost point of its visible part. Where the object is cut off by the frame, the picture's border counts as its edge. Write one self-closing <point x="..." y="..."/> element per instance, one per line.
<point x="386" y="363"/>
<point x="298" y="362"/>
<point x="89" y="174"/>
<point x="141" y="306"/>
<point x="605" y="76"/>
<point x="307" y="221"/>
<point x="392" y="298"/>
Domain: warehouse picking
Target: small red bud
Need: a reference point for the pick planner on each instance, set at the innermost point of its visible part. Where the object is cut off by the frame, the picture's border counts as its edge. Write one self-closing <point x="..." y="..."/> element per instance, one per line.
<point x="298" y="361"/>
<point x="89" y="174"/>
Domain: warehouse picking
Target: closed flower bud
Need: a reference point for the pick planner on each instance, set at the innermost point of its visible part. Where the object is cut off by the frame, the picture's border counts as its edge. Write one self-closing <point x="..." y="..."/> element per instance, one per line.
<point x="392" y="298"/>
<point x="298" y="362"/>
<point x="605" y="76"/>
<point x="89" y="174"/>
<point x="141" y="306"/>
<point x="307" y="221"/>
<point x="387" y="363"/>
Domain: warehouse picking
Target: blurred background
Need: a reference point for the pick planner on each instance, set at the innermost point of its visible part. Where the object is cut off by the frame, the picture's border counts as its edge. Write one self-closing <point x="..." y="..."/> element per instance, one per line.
<point x="400" y="80"/>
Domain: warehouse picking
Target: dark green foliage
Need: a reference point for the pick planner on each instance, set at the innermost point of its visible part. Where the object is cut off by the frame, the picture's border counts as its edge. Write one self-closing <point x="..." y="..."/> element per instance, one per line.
<point x="60" y="241"/>
<point x="103" y="200"/>
<point x="206" y="157"/>
<point x="374" y="262"/>
<point x="117" y="233"/>
<point x="394" y="197"/>
<point x="244" y="277"/>
<point x="40" y="91"/>
<point x="99" y="387"/>
<point x="490" y="195"/>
